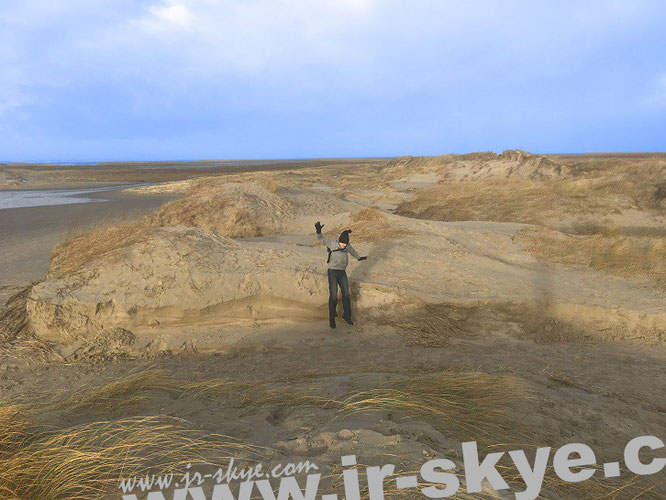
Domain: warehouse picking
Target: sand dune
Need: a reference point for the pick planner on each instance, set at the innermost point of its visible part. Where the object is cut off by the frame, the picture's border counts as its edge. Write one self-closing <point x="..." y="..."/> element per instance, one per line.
<point x="481" y="313"/>
<point x="203" y="256"/>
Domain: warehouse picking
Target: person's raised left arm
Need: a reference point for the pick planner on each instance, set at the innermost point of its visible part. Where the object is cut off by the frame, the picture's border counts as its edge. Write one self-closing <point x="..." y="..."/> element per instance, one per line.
<point x="354" y="253"/>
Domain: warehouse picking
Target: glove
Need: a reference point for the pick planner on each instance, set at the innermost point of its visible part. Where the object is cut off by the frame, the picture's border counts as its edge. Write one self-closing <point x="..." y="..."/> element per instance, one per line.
<point x="318" y="227"/>
<point x="362" y="258"/>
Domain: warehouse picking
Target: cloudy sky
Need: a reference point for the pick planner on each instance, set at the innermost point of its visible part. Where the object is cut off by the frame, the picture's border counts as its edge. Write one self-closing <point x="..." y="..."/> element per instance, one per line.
<point x="84" y="80"/>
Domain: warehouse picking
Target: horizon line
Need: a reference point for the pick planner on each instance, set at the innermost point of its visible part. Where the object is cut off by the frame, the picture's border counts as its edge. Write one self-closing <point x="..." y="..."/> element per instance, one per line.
<point x="313" y="158"/>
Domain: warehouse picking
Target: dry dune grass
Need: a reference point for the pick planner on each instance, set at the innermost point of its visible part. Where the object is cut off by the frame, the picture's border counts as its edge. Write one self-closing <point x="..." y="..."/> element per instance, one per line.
<point x="207" y="206"/>
<point x="13" y="428"/>
<point x="14" y="321"/>
<point x="596" y="187"/>
<point x="105" y="239"/>
<point x="526" y="201"/>
<point x="641" y="179"/>
<point x="203" y="212"/>
<point x="203" y="207"/>
<point x="17" y="338"/>
<point x="432" y="325"/>
<point x="84" y="461"/>
<point x="232" y="209"/>
<point x="606" y="249"/>
<point x="237" y="210"/>
<point x="370" y="224"/>
<point x="120" y="396"/>
<point x="348" y="176"/>
<point x="538" y="320"/>
<point x="460" y="404"/>
<point x="87" y="461"/>
<point x="465" y="400"/>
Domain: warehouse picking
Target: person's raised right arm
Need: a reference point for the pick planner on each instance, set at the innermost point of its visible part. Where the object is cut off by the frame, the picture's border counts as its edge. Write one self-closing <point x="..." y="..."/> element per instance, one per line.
<point x="326" y="241"/>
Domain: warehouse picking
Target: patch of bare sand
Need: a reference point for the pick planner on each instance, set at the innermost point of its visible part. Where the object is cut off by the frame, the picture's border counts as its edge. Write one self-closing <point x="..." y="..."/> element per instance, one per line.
<point x="175" y="187"/>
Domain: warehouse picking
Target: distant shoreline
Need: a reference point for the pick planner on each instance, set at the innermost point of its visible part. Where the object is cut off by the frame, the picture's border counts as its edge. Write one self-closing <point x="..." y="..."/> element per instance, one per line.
<point x="36" y="176"/>
<point x="29" y="233"/>
<point x="188" y="163"/>
<point x="25" y="198"/>
<point x="17" y="176"/>
<point x="211" y="163"/>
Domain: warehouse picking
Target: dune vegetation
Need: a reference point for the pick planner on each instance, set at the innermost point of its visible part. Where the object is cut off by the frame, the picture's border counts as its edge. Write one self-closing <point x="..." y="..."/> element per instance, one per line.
<point x="575" y="213"/>
<point x="106" y="239"/>
<point x="42" y="456"/>
<point x="607" y="249"/>
<point x="532" y="201"/>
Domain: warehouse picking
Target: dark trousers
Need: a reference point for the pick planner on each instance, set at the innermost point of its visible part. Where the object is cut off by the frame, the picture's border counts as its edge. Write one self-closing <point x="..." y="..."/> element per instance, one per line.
<point x="335" y="278"/>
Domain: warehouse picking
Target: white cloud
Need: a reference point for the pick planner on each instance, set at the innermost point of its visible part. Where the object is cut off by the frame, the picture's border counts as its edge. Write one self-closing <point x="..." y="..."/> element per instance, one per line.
<point x="167" y="15"/>
<point x="174" y="13"/>
<point x="354" y="39"/>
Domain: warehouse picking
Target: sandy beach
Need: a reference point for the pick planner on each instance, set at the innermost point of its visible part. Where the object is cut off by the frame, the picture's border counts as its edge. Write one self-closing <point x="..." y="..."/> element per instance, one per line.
<point x="515" y="300"/>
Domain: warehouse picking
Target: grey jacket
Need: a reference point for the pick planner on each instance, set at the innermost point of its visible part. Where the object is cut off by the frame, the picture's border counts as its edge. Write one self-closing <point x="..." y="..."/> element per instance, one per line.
<point x="339" y="257"/>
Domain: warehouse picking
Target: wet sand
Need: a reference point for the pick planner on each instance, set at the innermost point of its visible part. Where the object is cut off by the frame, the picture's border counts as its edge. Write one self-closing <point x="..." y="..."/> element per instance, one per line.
<point x="28" y="233"/>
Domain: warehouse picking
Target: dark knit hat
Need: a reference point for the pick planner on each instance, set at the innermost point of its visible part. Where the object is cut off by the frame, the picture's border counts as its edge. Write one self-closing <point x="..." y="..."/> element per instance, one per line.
<point x="344" y="236"/>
